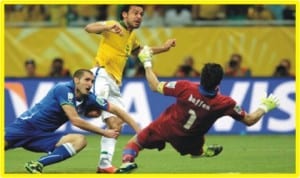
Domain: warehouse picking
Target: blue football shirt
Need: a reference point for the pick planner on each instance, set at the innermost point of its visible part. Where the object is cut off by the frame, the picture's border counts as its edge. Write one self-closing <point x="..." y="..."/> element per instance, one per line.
<point x="48" y="114"/>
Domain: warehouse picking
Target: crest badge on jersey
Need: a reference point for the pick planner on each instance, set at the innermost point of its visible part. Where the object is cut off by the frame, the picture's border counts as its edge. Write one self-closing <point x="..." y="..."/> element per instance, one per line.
<point x="70" y="96"/>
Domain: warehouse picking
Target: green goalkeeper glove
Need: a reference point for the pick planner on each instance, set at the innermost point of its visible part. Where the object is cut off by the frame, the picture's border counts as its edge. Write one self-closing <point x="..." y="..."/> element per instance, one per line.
<point x="269" y="103"/>
<point x="145" y="56"/>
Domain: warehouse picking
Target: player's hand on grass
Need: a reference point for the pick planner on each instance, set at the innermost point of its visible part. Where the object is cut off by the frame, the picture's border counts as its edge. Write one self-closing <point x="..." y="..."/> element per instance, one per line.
<point x="145" y="56"/>
<point x="269" y="103"/>
<point x="111" y="133"/>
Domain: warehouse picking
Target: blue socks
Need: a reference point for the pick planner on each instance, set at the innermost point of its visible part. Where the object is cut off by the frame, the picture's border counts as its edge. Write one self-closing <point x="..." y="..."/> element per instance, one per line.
<point x="60" y="153"/>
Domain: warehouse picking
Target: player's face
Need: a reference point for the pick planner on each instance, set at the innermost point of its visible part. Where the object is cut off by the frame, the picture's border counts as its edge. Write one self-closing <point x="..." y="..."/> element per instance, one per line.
<point x="30" y="69"/>
<point x="84" y="84"/>
<point x="134" y="17"/>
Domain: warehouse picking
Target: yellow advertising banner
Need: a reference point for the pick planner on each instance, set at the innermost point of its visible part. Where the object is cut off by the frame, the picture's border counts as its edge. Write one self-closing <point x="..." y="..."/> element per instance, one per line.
<point x="262" y="47"/>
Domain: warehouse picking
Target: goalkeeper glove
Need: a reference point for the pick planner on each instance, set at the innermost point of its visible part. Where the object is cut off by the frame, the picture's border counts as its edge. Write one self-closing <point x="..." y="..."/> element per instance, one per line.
<point x="269" y="103"/>
<point x="145" y="56"/>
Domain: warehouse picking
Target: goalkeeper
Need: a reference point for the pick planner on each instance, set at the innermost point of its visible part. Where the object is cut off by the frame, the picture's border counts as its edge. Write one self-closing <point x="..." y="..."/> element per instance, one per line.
<point x="184" y="123"/>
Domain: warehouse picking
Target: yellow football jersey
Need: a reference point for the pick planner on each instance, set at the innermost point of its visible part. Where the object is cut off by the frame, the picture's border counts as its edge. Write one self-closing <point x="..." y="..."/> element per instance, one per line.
<point x="114" y="49"/>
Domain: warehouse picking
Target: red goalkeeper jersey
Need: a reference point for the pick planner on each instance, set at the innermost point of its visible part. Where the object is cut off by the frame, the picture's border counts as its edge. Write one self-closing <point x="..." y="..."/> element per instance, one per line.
<point x="194" y="111"/>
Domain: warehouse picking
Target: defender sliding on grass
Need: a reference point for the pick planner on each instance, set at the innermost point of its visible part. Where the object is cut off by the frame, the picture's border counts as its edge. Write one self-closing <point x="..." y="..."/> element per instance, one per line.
<point x="35" y="129"/>
<point x="185" y="123"/>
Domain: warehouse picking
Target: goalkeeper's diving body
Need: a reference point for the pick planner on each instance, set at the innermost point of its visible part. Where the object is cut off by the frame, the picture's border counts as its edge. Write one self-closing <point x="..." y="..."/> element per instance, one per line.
<point x="34" y="130"/>
<point x="185" y="123"/>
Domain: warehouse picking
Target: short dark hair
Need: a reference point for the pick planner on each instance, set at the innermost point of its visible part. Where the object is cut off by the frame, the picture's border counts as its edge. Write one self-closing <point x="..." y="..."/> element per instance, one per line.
<point x="29" y="61"/>
<point x="211" y="76"/>
<point x="79" y="73"/>
<point x="58" y="59"/>
<point x="125" y="8"/>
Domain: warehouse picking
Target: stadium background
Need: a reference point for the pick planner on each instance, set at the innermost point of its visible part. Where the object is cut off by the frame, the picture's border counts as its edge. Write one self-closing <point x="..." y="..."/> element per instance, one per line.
<point x="260" y="49"/>
<point x="261" y="45"/>
<point x="43" y="32"/>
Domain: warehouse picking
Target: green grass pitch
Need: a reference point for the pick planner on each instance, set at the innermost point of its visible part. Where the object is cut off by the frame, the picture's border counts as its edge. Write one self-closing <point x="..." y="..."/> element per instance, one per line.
<point x="241" y="154"/>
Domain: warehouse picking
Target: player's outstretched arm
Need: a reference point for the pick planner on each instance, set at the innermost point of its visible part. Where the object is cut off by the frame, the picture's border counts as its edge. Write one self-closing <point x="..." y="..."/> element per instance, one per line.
<point x="153" y="81"/>
<point x="99" y="27"/>
<point x="77" y="121"/>
<point x="165" y="47"/>
<point x="145" y="56"/>
<point x="95" y="27"/>
<point x="267" y="104"/>
<point x="124" y="116"/>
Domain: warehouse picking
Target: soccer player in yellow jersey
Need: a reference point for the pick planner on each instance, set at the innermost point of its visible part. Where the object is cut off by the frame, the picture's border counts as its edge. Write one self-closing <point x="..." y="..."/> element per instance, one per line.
<point x="117" y="43"/>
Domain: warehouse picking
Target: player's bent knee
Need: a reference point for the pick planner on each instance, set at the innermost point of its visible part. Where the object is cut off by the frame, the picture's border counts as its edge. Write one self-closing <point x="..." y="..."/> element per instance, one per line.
<point x="81" y="139"/>
<point x="80" y="142"/>
<point x="116" y="126"/>
<point x="77" y="140"/>
<point x="115" y="123"/>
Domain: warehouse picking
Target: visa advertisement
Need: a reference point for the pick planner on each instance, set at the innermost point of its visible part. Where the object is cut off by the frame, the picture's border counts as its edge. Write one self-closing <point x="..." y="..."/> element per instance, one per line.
<point x="145" y="105"/>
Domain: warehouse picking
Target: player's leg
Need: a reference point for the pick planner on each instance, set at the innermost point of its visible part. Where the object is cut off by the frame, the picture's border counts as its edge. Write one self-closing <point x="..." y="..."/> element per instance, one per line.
<point x="108" y="146"/>
<point x="17" y="134"/>
<point x="202" y="150"/>
<point x="148" y="138"/>
<point x="59" y="148"/>
<point x="65" y="148"/>
<point x="107" y="88"/>
<point x="211" y="150"/>
<point x="130" y="152"/>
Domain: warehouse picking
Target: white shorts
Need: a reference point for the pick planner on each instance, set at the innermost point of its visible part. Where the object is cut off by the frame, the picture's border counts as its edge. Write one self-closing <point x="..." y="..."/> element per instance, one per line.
<point x="106" y="87"/>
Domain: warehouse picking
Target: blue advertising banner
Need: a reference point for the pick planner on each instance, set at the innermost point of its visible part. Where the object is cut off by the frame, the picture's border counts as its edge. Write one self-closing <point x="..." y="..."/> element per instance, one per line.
<point x="145" y="105"/>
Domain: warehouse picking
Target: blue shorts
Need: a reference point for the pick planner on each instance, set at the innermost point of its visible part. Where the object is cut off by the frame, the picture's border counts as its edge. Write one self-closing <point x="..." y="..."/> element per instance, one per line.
<point x="26" y="136"/>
